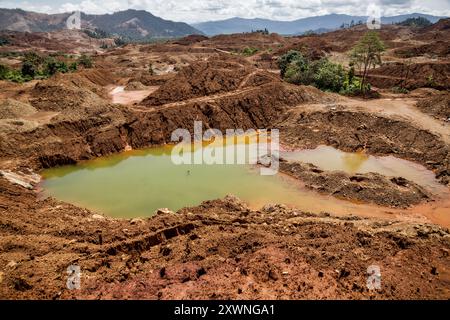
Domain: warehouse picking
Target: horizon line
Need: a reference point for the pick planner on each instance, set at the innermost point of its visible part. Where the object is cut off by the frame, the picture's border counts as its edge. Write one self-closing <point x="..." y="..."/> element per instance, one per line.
<point x="225" y="19"/>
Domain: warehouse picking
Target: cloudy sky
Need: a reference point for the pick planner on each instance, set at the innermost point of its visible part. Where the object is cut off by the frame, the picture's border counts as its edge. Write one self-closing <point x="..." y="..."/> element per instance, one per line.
<point x="203" y="10"/>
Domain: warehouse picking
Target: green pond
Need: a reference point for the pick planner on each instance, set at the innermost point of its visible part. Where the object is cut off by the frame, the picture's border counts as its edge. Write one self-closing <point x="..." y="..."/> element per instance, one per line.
<point x="136" y="183"/>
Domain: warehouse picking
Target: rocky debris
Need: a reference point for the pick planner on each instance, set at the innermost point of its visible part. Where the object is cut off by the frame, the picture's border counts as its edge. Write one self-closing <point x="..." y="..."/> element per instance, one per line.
<point x="437" y="105"/>
<point x="199" y="79"/>
<point x="352" y="131"/>
<point x="220" y="249"/>
<point x="135" y="85"/>
<point x="369" y="187"/>
<point x="163" y="211"/>
<point x="200" y="253"/>
<point x="27" y="180"/>
<point x="85" y="89"/>
<point x="437" y="48"/>
<point x="426" y="74"/>
<point x="191" y="39"/>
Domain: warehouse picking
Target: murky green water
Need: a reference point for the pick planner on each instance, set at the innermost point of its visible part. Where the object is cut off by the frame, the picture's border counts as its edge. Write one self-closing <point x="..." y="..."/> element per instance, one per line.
<point x="136" y="183"/>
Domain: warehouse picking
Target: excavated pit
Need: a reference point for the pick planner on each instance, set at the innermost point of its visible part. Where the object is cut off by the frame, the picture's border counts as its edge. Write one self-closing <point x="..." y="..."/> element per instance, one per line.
<point x="272" y="252"/>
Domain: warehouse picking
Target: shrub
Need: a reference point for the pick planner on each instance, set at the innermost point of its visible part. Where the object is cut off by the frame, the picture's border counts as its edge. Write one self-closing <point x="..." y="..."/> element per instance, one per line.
<point x="119" y="42"/>
<point x="300" y="71"/>
<point x="285" y="60"/>
<point x="28" y="69"/>
<point x="62" y="67"/>
<point x="430" y="81"/>
<point x="3" y="42"/>
<point x="329" y="76"/>
<point x="53" y="66"/>
<point x="97" y="33"/>
<point x="35" y="66"/>
<point x="351" y="87"/>
<point x="85" y="61"/>
<point x="249" y="51"/>
<point x="416" y="22"/>
<point x="33" y="58"/>
<point x="73" y="67"/>
<point x="4" y="70"/>
<point x="323" y="74"/>
<point x="400" y="90"/>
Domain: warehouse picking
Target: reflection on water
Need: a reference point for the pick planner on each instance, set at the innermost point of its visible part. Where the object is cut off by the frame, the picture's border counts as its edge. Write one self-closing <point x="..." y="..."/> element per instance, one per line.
<point x="353" y="161"/>
<point x="329" y="158"/>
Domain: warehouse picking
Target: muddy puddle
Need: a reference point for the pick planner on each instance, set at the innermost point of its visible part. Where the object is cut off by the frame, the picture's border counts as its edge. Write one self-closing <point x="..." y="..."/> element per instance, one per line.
<point x="121" y="96"/>
<point x="330" y="159"/>
<point x="136" y="183"/>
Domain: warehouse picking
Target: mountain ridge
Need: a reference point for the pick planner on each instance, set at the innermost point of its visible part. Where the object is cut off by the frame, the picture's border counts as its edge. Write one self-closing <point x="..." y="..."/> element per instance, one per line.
<point x="326" y="22"/>
<point x="134" y="24"/>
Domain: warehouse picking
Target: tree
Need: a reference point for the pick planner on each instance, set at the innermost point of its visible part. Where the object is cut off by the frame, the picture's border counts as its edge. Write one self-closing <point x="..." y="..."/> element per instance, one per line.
<point x="4" y="42"/>
<point x="28" y="69"/>
<point x="323" y="74"/>
<point x="408" y="65"/>
<point x="416" y="22"/>
<point x="286" y="59"/>
<point x="51" y="66"/>
<point x="299" y="71"/>
<point x="367" y="55"/>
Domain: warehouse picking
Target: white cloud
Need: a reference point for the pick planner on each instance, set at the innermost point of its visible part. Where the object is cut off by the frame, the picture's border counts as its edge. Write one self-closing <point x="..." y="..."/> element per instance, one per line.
<point x="202" y="10"/>
<point x="92" y="6"/>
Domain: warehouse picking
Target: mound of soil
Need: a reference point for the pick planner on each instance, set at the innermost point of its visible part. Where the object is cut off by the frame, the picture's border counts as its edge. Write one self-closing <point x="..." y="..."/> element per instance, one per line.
<point x="13" y="109"/>
<point x="249" y="108"/>
<point x="343" y="40"/>
<point x="369" y="187"/>
<point x="435" y="49"/>
<point x="70" y="41"/>
<point x="150" y="80"/>
<point x="135" y="85"/>
<point x="191" y="39"/>
<point x="434" y="75"/>
<point x="50" y="96"/>
<point x="205" y="78"/>
<point x="437" y="106"/>
<point x="218" y="250"/>
<point x="239" y="41"/>
<point x="378" y="135"/>
<point x="314" y="48"/>
<point x="438" y="31"/>
<point x="71" y="91"/>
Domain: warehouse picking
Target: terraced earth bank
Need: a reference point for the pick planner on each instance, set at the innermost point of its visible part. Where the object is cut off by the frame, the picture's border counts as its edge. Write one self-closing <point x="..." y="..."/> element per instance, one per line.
<point x="225" y="248"/>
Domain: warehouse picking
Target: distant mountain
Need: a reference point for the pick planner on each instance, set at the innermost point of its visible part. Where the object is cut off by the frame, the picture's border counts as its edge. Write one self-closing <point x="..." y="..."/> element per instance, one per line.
<point x="135" y="24"/>
<point x="320" y="23"/>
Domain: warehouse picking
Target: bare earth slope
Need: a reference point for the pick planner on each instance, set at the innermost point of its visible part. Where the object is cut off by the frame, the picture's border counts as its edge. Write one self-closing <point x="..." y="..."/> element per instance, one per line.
<point x="222" y="249"/>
